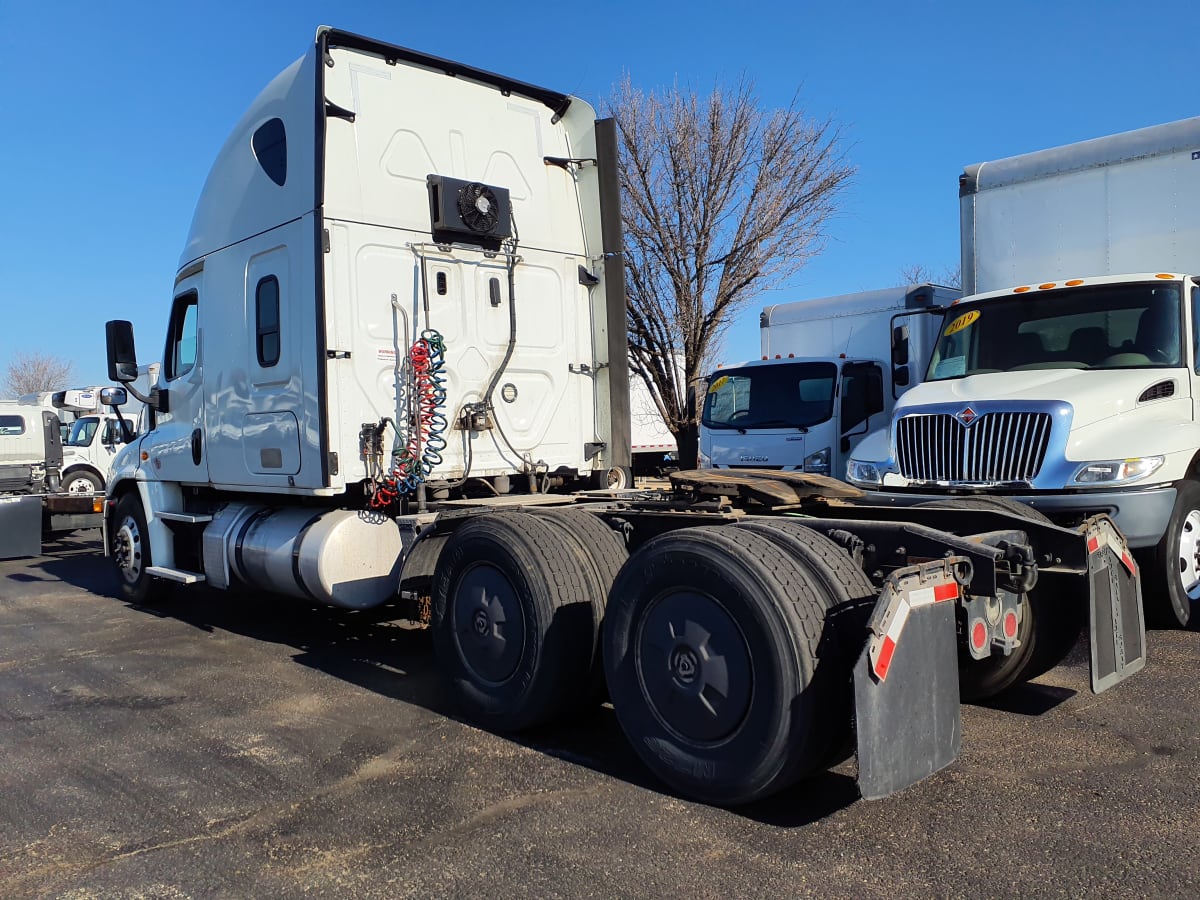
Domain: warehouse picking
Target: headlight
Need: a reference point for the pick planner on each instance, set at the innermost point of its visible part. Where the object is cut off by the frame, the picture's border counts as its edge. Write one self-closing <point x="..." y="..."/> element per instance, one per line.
<point x="1117" y="471"/>
<point x="817" y="463"/>
<point x="703" y="460"/>
<point x="860" y="472"/>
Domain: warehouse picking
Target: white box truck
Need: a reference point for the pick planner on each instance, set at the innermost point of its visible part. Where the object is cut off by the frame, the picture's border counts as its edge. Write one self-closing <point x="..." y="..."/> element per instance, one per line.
<point x="396" y="347"/>
<point x="1064" y="381"/>
<point x="33" y="502"/>
<point x="831" y="371"/>
<point x="95" y="434"/>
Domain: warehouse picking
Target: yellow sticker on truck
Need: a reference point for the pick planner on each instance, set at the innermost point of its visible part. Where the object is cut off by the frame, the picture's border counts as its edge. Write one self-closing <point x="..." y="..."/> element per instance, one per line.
<point x="718" y="383"/>
<point x="966" y="320"/>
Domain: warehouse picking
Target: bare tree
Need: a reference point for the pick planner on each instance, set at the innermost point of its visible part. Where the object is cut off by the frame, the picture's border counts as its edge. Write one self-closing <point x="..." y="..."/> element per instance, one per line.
<point x="721" y="200"/>
<point x="921" y="274"/>
<point x="29" y="373"/>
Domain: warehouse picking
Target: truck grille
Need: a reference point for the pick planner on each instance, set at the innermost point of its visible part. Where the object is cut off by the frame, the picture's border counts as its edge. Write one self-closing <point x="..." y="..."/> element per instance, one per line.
<point x="996" y="447"/>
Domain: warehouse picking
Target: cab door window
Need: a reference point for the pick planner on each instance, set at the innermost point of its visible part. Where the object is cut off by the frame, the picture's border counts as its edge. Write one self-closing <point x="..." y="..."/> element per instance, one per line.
<point x="180" y="356"/>
<point x="862" y="395"/>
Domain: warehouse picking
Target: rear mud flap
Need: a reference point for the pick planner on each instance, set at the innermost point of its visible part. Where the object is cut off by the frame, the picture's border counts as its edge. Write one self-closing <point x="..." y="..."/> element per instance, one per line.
<point x="1118" y="625"/>
<point x="906" y="699"/>
<point x="20" y="526"/>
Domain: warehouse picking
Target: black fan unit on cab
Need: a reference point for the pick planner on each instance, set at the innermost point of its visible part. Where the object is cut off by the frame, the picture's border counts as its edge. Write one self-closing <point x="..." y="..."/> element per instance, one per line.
<point x="468" y="211"/>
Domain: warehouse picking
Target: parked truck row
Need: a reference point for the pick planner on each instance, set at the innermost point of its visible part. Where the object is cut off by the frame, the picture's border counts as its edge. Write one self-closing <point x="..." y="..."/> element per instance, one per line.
<point x="395" y="362"/>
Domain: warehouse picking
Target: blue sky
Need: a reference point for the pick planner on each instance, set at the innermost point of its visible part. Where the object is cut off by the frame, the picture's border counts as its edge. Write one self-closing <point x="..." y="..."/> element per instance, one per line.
<point x="112" y="114"/>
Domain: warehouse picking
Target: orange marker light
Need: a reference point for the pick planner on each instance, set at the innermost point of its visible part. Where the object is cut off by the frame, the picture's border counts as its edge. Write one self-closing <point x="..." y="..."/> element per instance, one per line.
<point x="145" y="456"/>
<point x="1073" y="282"/>
<point x="1046" y="286"/>
<point x="1164" y="275"/>
<point x="1020" y="290"/>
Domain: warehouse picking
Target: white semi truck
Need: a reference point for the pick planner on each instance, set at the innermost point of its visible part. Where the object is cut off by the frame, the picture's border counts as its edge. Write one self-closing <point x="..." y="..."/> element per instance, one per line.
<point x="831" y="371"/>
<point x="395" y="351"/>
<point x="1063" y="381"/>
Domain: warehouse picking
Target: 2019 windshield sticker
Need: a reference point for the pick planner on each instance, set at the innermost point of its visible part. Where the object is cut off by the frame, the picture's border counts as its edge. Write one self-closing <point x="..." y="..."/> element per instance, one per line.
<point x="966" y="320"/>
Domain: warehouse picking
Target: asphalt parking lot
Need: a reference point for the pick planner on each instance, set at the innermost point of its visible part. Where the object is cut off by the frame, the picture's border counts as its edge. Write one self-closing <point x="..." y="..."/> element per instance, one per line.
<point x="242" y="745"/>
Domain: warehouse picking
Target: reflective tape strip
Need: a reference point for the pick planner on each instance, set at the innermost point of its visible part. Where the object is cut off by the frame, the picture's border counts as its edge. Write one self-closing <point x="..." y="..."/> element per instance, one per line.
<point x="935" y="594"/>
<point x="1127" y="559"/>
<point x="883" y="648"/>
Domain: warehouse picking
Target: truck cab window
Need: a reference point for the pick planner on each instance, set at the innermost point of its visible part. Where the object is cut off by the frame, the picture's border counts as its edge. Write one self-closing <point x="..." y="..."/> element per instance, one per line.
<point x="180" y="357"/>
<point x="82" y="432"/>
<point x="1196" y="329"/>
<point x="862" y="395"/>
<point x="266" y="317"/>
<point x="11" y="426"/>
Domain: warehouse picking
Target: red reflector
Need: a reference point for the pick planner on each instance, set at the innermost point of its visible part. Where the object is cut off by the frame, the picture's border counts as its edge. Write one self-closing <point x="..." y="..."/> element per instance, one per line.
<point x="945" y="592"/>
<point x="1010" y="625"/>
<point x="978" y="635"/>
<point x="1093" y="544"/>
<point x="885" y="658"/>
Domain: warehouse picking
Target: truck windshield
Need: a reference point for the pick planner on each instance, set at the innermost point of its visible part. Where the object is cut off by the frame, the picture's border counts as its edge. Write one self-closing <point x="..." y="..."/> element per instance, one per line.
<point x="779" y="395"/>
<point x="82" y="432"/>
<point x="1114" y="326"/>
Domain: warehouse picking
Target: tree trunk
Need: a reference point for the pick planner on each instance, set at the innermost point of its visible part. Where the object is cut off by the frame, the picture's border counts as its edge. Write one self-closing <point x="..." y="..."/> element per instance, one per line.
<point x="688" y="441"/>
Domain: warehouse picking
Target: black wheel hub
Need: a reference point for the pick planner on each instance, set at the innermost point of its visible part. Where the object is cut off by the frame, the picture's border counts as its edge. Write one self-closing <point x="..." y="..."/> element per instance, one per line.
<point x="489" y="623"/>
<point x="694" y="666"/>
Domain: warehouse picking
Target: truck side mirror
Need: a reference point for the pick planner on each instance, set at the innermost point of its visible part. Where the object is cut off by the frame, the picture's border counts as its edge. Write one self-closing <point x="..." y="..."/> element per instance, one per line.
<point x="900" y="376"/>
<point x="122" y="355"/>
<point x="111" y="396"/>
<point x="900" y="345"/>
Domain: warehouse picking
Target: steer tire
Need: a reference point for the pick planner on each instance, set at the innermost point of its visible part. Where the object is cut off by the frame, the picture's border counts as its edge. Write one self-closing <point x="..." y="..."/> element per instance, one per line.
<point x="513" y="623"/>
<point x="711" y="652"/>
<point x="1174" y="560"/>
<point x="129" y="548"/>
<point x="81" y="481"/>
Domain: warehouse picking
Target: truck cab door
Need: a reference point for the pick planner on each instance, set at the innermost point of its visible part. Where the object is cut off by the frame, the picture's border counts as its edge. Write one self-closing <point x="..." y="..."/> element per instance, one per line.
<point x="179" y="450"/>
<point x="860" y="396"/>
<point x="911" y="344"/>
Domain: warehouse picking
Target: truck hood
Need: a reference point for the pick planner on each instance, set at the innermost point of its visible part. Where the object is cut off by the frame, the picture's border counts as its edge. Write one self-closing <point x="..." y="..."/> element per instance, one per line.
<point x="1094" y="394"/>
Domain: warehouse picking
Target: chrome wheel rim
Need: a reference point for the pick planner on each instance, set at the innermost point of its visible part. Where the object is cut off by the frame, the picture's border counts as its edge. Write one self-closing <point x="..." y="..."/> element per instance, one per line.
<point x="1189" y="555"/>
<point x="127" y="550"/>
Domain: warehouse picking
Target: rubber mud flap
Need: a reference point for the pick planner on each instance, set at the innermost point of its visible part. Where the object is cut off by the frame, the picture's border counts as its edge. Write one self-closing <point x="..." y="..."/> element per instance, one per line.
<point x="20" y="526"/>
<point x="909" y="723"/>
<point x="1118" y="624"/>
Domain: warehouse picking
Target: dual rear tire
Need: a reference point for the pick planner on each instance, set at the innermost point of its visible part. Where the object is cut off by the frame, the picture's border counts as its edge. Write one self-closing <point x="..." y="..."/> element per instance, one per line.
<point x="719" y="650"/>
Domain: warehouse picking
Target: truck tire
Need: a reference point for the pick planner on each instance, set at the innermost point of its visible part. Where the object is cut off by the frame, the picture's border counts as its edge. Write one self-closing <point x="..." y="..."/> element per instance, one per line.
<point x="1171" y="569"/>
<point x="81" y="481"/>
<point x="513" y="624"/>
<point x="711" y="653"/>
<point x="129" y="546"/>
<point x="1048" y="629"/>
<point x="603" y="553"/>
<point x="617" y="478"/>
<point x="851" y="597"/>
